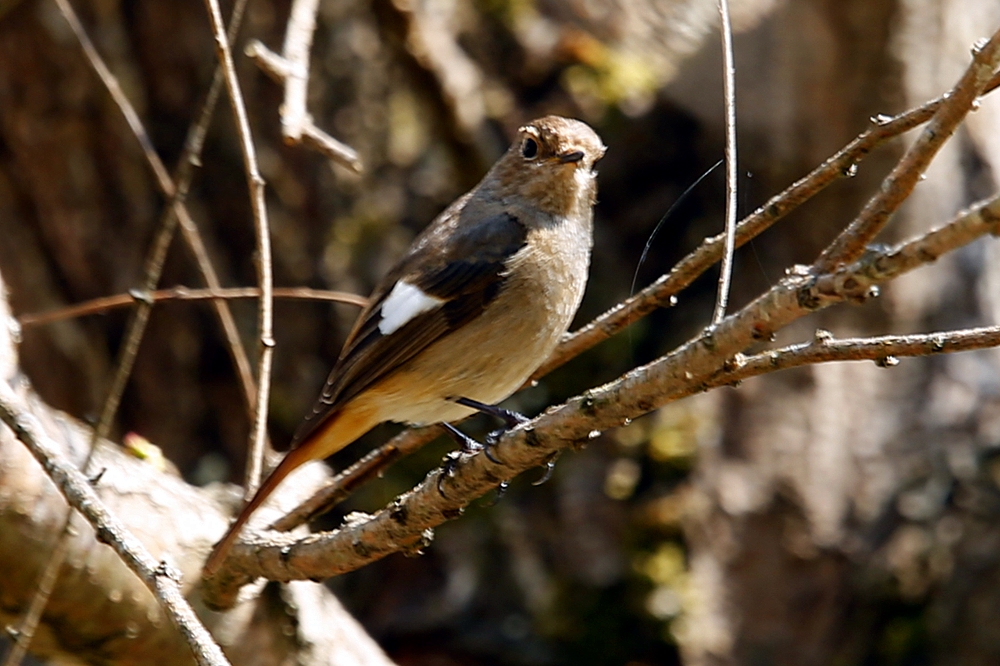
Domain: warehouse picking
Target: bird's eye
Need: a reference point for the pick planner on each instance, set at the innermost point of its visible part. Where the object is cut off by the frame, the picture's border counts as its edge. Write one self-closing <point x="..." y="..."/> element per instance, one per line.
<point x="530" y="149"/>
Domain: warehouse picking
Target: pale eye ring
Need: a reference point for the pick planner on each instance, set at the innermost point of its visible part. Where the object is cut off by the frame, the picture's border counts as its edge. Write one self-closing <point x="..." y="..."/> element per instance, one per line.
<point x="529" y="149"/>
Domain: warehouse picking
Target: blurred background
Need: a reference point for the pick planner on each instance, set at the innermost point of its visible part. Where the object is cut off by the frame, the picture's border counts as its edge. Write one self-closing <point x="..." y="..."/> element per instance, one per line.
<point x="845" y="514"/>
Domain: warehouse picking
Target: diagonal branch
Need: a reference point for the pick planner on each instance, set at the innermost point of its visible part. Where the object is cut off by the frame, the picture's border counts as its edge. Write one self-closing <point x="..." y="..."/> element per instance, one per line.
<point x="884" y="350"/>
<point x="173" y="213"/>
<point x="161" y="578"/>
<point x="690" y="368"/>
<point x="900" y="182"/>
<point x="292" y="69"/>
<point x="659" y="294"/>
<point x="176" y="212"/>
<point x="662" y="292"/>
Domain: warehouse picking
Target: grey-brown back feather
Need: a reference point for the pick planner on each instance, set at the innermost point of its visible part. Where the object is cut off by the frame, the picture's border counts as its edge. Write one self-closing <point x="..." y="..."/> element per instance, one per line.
<point x="459" y="261"/>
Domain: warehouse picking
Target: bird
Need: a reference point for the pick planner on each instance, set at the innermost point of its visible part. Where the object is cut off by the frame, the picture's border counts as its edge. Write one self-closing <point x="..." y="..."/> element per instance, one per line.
<point x="476" y="304"/>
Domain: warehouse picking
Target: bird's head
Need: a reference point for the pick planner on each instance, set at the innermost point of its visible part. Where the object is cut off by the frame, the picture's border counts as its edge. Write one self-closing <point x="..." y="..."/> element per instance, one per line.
<point x="551" y="164"/>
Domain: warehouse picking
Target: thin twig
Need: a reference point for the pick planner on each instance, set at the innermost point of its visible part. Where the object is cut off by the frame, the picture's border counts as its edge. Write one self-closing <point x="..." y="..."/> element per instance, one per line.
<point x="137" y="324"/>
<point x="158" y="253"/>
<point x="105" y="303"/>
<point x="343" y="484"/>
<point x="24" y="631"/>
<point x="690" y="368"/>
<point x="298" y="44"/>
<point x="281" y="70"/>
<point x="884" y="350"/>
<point x="161" y="579"/>
<point x="900" y="182"/>
<point x="263" y="238"/>
<point x="174" y="212"/>
<point x="729" y="90"/>
<point x="190" y="160"/>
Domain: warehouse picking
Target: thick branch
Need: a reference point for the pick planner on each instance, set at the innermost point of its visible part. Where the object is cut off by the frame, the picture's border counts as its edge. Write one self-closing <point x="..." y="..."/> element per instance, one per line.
<point x="406" y="523"/>
<point x="162" y="579"/>
<point x="659" y="294"/>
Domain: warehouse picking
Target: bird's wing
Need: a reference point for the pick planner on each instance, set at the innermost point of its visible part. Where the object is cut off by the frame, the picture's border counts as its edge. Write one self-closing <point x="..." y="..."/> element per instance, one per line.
<point x="448" y="277"/>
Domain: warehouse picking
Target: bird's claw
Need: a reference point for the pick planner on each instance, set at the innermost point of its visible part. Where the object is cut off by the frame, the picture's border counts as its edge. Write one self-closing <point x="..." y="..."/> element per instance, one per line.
<point x="501" y="491"/>
<point x="550" y="466"/>
<point x="447" y="469"/>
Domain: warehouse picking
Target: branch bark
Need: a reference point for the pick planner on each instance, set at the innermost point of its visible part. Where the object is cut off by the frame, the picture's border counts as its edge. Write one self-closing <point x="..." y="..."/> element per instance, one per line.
<point x="101" y="611"/>
<point x="661" y="293"/>
<point x="162" y="579"/>
<point x="406" y="524"/>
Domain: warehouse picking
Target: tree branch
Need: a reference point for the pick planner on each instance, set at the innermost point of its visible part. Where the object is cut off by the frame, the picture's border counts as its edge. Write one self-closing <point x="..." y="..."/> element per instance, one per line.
<point x="175" y="212"/>
<point x="255" y="183"/>
<point x="105" y="303"/>
<point x="292" y="70"/>
<point x="660" y="293"/>
<point x="406" y="524"/>
<point x="162" y="579"/>
<point x="729" y="93"/>
<point x="884" y="350"/>
<point x="900" y="182"/>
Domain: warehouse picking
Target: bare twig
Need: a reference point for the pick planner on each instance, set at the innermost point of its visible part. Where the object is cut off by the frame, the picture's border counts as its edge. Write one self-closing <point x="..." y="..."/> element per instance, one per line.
<point x="176" y="212"/>
<point x="884" y="350"/>
<point x="263" y="237"/>
<point x="688" y="369"/>
<point x="900" y="182"/>
<point x="298" y="44"/>
<point x="105" y="303"/>
<point x="161" y="578"/>
<point x="140" y="317"/>
<point x="24" y="631"/>
<point x="158" y="253"/>
<point x="729" y="90"/>
<point x="343" y="484"/>
<point x="301" y="128"/>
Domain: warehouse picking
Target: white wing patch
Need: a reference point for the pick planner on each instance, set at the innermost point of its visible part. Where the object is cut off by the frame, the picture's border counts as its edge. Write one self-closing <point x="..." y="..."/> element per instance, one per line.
<point x="403" y="303"/>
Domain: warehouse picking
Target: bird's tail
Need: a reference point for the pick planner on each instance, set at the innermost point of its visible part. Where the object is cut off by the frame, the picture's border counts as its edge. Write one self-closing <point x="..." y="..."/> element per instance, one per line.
<point x="292" y="460"/>
<point x="340" y="429"/>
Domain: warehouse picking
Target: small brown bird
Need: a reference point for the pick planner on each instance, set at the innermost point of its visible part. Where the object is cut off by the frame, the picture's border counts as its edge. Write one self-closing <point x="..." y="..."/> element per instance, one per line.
<point x="475" y="305"/>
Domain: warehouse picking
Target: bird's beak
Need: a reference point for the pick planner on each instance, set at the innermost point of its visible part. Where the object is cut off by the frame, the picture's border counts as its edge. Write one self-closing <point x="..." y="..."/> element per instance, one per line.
<point x="567" y="158"/>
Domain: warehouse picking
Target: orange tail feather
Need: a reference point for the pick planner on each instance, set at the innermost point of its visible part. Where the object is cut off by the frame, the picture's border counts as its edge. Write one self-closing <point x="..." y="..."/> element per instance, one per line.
<point x="294" y="459"/>
<point x="354" y="420"/>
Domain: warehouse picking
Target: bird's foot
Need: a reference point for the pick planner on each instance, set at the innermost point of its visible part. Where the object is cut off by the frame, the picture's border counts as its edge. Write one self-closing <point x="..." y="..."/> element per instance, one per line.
<point x="469" y="445"/>
<point x="509" y="417"/>
<point x="466" y="445"/>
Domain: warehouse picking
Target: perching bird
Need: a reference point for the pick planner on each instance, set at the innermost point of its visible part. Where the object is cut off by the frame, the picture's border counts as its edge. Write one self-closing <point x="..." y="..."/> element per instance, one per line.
<point x="475" y="305"/>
